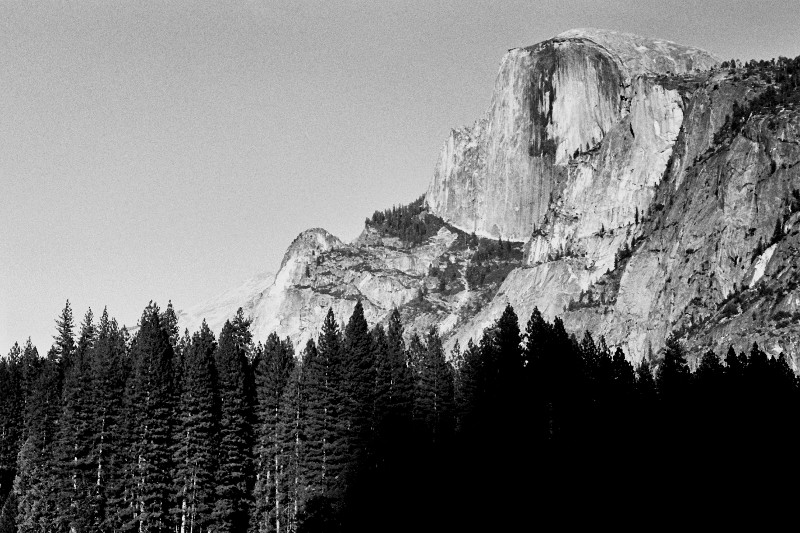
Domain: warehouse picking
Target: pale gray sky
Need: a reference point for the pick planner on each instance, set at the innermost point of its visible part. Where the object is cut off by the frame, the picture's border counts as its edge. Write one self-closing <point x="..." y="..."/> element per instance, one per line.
<point x="157" y="150"/>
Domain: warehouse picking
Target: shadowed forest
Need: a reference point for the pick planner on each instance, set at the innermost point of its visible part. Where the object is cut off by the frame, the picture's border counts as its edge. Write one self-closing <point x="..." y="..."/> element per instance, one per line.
<point x="360" y="430"/>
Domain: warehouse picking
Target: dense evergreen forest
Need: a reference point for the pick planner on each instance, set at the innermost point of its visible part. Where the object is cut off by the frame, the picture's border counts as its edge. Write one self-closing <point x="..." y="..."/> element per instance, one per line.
<point x="363" y="431"/>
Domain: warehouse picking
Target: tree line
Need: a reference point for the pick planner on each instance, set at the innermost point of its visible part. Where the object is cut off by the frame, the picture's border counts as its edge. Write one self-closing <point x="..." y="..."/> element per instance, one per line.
<point x="361" y="430"/>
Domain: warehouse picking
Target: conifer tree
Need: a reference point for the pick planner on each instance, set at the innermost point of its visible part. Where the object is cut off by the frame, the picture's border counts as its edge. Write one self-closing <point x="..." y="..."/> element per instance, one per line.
<point x="169" y="321"/>
<point x="537" y="345"/>
<point x="325" y="446"/>
<point x="509" y="356"/>
<point x="65" y="340"/>
<point x="673" y="372"/>
<point x="109" y="367"/>
<point x="379" y="346"/>
<point x="395" y="384"/>
<point x="673" y="380"/>
<point x="40" y="478"/>
<point x="234" y="476"/>
<point x="35" y="486"/>
<point x="468" y="391"/>
<point x="566" y="390"/>
<point x="198" y="435"/>
<point x="623" y="376"/>
<point x="74" y="438"/>
<point x="315" y="420"/>
<point x="335" y="457"/>
<point x="272" y="372"/>
<point x="291" y="430"/>
<point x="359" y="380"/>
<point x="710" y="372"/>
<point x="500" y="405"/>
<point x="433" y="401"/>
<point x="12" y="405"/>
<point x="591" y="363"/>
<point x="150" y="415"/>
<point x="621" y="398"/>
<point x="708" y="392"/>
<point x="416" y="354"/>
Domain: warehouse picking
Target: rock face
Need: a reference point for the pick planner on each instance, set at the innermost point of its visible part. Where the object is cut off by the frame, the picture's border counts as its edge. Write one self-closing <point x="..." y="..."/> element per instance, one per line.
<point x="551" y="101"/>
<point x="319" y="272"/>
<point x="700" y="263"/>
<point x="635" y="208"/>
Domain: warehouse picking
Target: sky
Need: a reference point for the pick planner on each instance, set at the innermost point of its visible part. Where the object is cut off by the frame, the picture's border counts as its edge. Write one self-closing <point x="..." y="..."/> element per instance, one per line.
<point x="171" y="150"/>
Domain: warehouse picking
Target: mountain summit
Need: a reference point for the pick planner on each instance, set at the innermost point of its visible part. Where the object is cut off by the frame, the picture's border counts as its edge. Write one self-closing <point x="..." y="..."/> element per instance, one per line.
<point x="633" y="186"/>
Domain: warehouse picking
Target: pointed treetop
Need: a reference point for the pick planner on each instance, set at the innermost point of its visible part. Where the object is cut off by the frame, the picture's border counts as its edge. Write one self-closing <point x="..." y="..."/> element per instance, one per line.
<point x="169" y="322"/>
<point x="65" y="340"/>
<point x="309" y="352"/>
<point x="357" y="329"/>
<point x="330" y="335"/>
<point x="88" y="333"/>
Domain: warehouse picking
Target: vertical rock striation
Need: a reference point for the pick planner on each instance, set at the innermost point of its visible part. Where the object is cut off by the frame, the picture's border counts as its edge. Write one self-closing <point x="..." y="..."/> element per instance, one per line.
<point x="552" y="102"/>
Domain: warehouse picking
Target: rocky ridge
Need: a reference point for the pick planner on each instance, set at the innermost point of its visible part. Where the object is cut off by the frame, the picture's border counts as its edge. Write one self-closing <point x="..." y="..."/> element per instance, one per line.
<point x="427" y="282"/>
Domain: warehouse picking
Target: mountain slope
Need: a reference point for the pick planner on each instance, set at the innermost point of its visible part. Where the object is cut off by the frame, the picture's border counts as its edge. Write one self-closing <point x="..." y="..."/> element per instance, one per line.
<point x="644" y="181"/>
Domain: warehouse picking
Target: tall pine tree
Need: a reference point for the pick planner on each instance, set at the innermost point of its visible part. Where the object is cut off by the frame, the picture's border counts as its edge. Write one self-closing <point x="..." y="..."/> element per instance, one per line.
<point x="150" y="412"/>
<point x="234" y="476"/>
<point x="195" y="456"/>
<point x="273" y="369"/>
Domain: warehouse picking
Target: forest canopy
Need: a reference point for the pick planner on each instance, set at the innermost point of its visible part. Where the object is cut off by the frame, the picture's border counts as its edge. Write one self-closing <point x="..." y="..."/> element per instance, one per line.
<point x="166" y="432"/>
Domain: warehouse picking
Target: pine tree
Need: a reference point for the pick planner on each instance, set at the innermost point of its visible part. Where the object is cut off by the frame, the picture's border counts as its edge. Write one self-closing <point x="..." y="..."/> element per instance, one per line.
<point x="672" y="381"/>
<point x="236" y="433"/>
<point x="500" y="404"/>
<point x="198" y="435"/>
<point x="109" y="368"/>
<point x="591" y="363"/>
<point x="433" y="400"/>
<point x="359" y="380"/>
<point x="291" y="430"/>
<point x="709" y="390"/>
<point x="74" y="439"/>
<point x="150" y="415"/>
<point x="169" y="321"/>
<point x="333" y="437"/>
<point x="273" y="370"/>
<point x="673" y="373"/>
<point x="469" y="390"/>
<point x="624" y="379"/>
<point x="12" y="405"/>
<point x="537" y="345"/>
<point x="509" y="357"/>
<point x="622" y="398"/>
<point x="325" y="456"/>
<point x="65" y="340"/>
<point x="34" y="486"/>
<point x="40" y="473"/>
<point x="395" y="385"/>
<point x="645" y="405"/>
<point x="710" y="372"/>
<point x="314" y="371"/>
<point x="563" y="371"/>
<point x="645" y="383"/>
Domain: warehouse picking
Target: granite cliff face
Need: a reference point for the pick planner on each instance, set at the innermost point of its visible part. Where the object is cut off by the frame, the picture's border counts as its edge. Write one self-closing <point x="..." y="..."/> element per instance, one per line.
<point x="675" y="233"/>
<point x="427" y="282"/>
<point x="636" y="207"/>
<point x="550" y="101"/>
